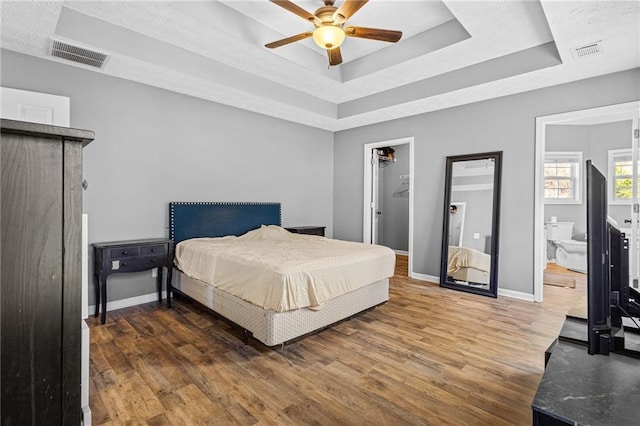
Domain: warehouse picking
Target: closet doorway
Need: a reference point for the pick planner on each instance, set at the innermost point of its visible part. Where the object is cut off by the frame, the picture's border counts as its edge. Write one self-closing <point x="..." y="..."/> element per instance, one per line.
<point x="388" y="196"/>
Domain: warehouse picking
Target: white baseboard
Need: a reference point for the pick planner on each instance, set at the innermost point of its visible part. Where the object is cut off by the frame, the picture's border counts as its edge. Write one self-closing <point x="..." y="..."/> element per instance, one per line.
<point x="84" y="374"/>
<point x="425" y="277"/>
<point x="86" y="416"/>
<point x="501" y="291"/>
<point x="402" y="252"/>
<point x="516" y="294"/>
<point x="132" y="301"/>
<point x="152" y="297"/>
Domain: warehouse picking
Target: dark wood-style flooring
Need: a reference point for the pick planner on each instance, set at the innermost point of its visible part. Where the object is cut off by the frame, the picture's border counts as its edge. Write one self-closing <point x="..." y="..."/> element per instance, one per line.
<point x="428" y="356"/>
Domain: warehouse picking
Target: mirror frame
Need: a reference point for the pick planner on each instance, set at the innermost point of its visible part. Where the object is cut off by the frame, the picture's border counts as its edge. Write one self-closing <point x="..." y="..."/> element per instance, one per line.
<point x="497" y="179"/>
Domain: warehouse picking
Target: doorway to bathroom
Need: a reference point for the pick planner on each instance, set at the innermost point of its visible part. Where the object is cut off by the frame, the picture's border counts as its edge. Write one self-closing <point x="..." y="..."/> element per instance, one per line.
<point x="609" y="137"/>
<point x="388" y="198"/>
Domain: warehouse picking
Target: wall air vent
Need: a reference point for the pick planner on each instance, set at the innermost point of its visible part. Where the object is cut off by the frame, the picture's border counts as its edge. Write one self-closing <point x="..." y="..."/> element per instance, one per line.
<point x="79" y="54"/>
<point x="588" y="50"/>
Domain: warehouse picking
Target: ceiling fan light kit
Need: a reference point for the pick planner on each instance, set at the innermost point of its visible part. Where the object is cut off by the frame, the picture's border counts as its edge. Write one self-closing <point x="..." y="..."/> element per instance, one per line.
<point x="328" y="21"/>
<point x="328" y="36"/>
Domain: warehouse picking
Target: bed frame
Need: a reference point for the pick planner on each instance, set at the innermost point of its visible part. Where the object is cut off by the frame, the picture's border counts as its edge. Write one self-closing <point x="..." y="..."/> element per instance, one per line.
<point x="205" y="219"/>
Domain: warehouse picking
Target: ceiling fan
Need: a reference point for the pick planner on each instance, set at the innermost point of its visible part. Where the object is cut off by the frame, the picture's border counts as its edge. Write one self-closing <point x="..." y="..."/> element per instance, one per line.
<point x="329" y="21"/>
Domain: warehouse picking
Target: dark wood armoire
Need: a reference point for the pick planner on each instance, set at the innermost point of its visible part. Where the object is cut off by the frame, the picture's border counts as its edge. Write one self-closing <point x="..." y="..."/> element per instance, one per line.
<point x="40" y="250"/>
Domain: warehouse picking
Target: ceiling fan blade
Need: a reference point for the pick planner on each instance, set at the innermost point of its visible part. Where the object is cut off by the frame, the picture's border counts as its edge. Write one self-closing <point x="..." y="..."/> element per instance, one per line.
<point x="335" y="57"/>
<point x="294" y="8"/>
<point x="373" y="34"/>
<point x="347" y="9"/>
<point x="288" y="40"/>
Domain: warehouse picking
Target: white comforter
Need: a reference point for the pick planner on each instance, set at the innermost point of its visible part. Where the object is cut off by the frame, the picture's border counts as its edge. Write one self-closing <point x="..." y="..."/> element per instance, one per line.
<point x="275" y="269"/>
<point x="466" y="257"/>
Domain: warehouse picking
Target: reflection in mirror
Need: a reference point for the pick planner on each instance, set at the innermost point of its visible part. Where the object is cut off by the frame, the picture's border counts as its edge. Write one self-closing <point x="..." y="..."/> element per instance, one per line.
<point x="456" y="223"/>
<point x="470" y="231"/>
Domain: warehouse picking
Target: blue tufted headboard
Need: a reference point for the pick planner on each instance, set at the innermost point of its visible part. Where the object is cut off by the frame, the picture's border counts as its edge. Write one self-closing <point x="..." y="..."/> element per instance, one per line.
<point x="205" y="219"/>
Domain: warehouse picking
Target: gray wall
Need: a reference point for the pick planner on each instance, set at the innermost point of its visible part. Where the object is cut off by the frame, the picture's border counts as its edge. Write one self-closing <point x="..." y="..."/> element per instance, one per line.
<point x="503" y="124"/>
<point x="153" y="146"/>
<point x="594" y="141"/>
<point x="395" y="201"/>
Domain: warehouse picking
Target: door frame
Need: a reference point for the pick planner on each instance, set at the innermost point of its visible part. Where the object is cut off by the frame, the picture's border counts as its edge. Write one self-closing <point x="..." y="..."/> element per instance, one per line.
<point x="606" y="114"/>
<point x="368" y="182"/>
<point x="464" y="212"/>
<point x="374" y="168"/>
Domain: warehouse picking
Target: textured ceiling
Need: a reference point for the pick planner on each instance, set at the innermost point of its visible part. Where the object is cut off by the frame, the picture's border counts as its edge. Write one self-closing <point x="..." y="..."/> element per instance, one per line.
<point x="451" y="53"/>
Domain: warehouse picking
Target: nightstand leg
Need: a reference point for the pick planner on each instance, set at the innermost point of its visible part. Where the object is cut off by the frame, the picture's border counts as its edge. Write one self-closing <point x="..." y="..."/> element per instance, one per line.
<point x="96" y="285"/>
<point x="159" y="284"/>
<point x="169" y="286"/>
<point x="103" y="288"/>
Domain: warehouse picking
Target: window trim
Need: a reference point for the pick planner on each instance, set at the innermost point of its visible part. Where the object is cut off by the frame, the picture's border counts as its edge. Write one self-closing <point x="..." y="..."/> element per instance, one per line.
<point x="572" y="157"/>
<point x="612" y="154"/>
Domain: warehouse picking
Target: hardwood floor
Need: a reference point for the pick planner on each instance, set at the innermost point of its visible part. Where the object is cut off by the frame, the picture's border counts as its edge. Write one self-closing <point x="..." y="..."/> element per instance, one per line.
<point x="428" y="356"/>
<point x="576" y="291"/>
<point x="402" y="265"/>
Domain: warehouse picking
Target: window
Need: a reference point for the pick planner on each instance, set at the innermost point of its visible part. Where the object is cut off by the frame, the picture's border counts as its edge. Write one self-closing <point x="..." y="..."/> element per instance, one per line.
<point x="562" y="182"/>
<point x="620" y="176"/>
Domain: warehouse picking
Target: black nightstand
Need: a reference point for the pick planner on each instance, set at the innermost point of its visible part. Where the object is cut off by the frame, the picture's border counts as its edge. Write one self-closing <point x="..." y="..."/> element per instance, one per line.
<point x="129" y="256"/>
<point x="309" y="230"/>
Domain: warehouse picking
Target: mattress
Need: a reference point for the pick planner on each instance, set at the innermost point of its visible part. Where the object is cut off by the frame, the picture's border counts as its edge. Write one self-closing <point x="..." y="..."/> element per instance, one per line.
<point x="281" y="271"/>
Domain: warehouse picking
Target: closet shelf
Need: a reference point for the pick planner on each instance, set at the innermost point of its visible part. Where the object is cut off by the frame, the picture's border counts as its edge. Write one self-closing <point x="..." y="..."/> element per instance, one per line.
<point x="384" y="161"/>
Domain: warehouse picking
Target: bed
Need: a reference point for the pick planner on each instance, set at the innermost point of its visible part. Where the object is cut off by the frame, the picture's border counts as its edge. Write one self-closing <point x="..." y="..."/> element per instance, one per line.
<point x="469" y="265"/>
<point x="224" y="251"/>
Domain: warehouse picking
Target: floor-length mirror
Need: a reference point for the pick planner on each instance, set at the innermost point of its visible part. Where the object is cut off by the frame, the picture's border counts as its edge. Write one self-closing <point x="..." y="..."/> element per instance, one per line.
<point x="471" y="223"/>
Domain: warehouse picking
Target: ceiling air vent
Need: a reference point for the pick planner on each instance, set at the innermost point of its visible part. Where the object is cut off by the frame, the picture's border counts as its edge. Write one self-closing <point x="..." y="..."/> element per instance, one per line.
<point x="78" y="54"/>
<point x="588" y="50"/>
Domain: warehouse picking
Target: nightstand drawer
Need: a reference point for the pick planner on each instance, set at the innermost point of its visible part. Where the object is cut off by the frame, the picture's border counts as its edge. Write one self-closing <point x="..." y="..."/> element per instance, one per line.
<point x="153" y="250"/>
<point x="138" y="263"/>
<point x="123" y="252"/>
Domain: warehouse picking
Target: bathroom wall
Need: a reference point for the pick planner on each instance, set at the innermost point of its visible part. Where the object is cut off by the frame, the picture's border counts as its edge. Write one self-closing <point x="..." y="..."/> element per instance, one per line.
<point x="594" y="141"/>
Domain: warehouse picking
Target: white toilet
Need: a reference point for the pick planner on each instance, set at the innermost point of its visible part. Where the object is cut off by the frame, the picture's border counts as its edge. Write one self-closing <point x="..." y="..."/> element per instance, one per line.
<point x="571" y="254"/>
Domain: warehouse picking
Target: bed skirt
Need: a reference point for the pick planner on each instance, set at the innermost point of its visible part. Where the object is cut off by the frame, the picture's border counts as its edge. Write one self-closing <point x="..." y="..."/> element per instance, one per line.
<point x="274" y="328"/>
<point x="472" y="275"/>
